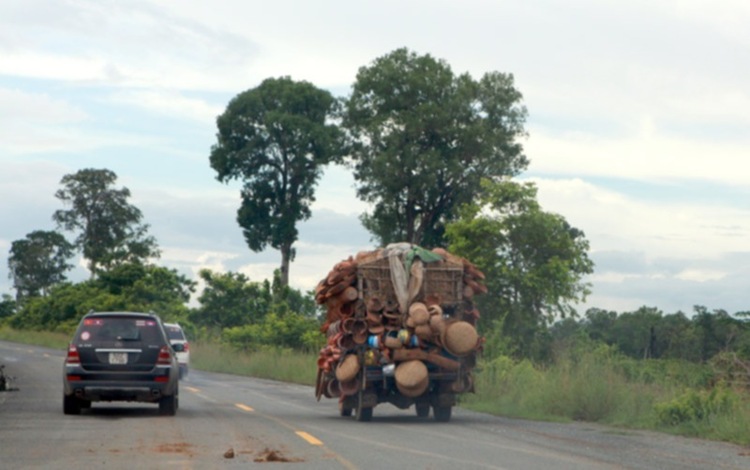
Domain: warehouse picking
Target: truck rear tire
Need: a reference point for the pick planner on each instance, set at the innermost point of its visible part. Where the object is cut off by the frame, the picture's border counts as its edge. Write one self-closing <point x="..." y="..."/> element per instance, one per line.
<point x="423" y="410"/>
<point x="364" y="414"/>
<point x="345" y="412"/>
<point x="442" y="413"/>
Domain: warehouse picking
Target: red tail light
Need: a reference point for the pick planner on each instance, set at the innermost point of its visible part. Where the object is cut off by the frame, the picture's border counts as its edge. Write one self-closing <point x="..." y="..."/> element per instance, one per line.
<point x="165" y="358"/>
<point x="187" y="347"/>
<point x="73" y="357"/>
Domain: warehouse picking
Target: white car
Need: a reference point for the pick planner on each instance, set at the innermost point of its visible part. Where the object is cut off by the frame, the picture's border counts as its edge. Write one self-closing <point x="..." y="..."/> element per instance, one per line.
<point x="177" y="336"/>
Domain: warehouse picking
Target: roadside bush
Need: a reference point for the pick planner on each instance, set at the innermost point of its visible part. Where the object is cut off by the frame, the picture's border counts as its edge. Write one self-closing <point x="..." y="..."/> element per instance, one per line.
<point x="696" y="405"/>
<point x="290" y="330"/>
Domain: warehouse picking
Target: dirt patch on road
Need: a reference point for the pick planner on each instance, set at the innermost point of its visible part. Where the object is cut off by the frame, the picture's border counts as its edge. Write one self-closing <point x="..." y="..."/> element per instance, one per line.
<point x="270" y="455"/>
<point x="176" y="448"/>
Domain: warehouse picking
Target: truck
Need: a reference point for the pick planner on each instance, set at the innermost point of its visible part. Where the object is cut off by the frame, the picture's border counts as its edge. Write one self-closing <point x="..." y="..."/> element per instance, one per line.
<point x="400" y="328"/>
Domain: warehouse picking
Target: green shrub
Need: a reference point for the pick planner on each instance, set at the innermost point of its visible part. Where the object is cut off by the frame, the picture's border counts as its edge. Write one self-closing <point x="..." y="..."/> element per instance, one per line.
<point x="696" y="405"/>
<point x="290" y="330"/>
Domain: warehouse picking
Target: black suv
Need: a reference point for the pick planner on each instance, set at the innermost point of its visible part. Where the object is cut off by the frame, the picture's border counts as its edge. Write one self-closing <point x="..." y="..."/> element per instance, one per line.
<point x="120" y="356"/>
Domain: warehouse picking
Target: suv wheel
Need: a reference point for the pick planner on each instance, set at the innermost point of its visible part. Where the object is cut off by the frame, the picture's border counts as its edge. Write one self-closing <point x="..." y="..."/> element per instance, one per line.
<point x="168" y="405"/>
<point x="71" y="405"/>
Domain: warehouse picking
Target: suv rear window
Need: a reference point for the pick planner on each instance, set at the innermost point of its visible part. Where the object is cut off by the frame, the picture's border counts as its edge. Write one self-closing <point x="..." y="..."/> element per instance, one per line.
<point x="174" y="333"/>
<point x="124" y="329"/>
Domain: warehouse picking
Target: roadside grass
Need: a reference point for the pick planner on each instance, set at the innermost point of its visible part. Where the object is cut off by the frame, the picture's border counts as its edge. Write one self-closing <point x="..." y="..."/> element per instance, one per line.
<point x="601" y="386"/>
<point x="46" y="339"/>
<point x="598" y="385"/>
<point x="278" y="364"/>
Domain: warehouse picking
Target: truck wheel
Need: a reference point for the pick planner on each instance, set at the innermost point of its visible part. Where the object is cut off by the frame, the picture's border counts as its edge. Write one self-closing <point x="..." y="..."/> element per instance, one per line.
<point x="345" y="411"/>
<point x="364" y="414"/>
<point x="442" y="413"/>
<point x="423" y="410"/>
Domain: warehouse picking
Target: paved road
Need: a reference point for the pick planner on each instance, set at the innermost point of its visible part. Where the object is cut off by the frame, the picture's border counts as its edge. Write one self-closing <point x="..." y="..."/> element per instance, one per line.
<point x="270" y="423"/>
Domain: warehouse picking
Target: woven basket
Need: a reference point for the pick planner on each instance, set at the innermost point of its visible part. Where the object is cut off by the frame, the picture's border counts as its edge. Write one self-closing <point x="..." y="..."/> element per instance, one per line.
<point x="412" y="378"/>
<point x="459" y="338"/>
<point x="442" y="280"/>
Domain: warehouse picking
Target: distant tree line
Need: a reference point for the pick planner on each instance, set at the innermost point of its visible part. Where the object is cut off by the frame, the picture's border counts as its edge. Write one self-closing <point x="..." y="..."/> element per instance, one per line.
<point x="648" y="333"/>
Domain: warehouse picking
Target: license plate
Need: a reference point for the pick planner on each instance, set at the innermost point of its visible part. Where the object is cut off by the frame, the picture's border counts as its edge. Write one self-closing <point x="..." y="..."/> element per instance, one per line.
<point x="118" y="358"/>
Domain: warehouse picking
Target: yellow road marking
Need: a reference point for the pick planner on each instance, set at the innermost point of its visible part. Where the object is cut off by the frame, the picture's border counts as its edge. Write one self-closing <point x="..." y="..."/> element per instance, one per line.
<point x="193" y="389"/>
<point x="310" y="439"/>
<point x="243" y="407"/>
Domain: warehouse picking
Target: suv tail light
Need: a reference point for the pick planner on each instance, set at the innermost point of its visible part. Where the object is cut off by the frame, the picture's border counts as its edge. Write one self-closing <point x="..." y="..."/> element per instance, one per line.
<point x="72" y="357"/>
<point x="165" y="358"/>
<point x="186" y="347"/>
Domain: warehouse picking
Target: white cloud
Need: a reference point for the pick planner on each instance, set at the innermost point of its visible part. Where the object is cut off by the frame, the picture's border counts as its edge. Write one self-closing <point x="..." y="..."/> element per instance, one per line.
<point x="698" y="275"/>
<point x="616" y="221"/>
<point x="32" y="122"/>
<point x="168" y="103"/>
<point x="650" y="155"/>
<point x="37" y="109"/>
<point x="138" y="44"/>
<point x="54" y="66"/>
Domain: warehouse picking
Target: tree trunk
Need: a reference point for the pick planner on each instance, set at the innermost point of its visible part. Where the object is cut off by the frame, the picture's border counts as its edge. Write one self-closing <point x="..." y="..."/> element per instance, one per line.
<point x="286" y="255"/>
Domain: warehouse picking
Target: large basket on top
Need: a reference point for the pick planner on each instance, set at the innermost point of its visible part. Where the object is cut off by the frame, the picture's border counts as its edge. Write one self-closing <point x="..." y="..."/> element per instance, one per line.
<point x="441" y="279"/>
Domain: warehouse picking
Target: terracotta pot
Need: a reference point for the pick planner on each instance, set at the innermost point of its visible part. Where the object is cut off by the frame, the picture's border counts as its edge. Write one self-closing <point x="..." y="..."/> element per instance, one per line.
<point x="349" y="294"/>
<point x="374" y="305"/>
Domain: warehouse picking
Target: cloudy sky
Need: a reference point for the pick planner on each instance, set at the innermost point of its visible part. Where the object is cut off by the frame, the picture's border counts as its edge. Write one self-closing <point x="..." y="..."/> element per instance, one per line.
<point x="639" y="122"/>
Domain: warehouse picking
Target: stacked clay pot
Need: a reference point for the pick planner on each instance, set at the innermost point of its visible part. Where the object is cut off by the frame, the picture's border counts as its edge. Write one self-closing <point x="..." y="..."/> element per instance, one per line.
<point x="370" y="330"/>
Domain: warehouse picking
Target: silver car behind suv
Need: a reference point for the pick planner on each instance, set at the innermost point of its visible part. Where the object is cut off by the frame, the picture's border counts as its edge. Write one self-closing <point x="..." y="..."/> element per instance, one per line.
<point x="179" y="342"/>
<point x="120" y="356"/>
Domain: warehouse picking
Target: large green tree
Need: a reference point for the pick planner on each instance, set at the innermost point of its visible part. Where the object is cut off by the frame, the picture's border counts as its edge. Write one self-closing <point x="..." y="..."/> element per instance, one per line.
<point x="38" y="262"/>
<point x="230" y="299"/>
<point x="422" y="138"/>
<point x="109" y="228"/>
<point x="534" y="261"/>
<point x="147" y="287"/>
<point x="276" y="138"/>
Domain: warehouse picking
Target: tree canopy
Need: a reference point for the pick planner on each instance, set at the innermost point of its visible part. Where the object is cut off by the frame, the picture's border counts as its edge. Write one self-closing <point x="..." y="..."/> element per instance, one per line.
<point x="421" y="138"/>
<point x="230" y="299"/>
<point x="38" y="262"/>
<point x="276" y="138"/>
<point x="109" y="228"/>
<point x="128" y="286"/>
<point x="534" y="261"/>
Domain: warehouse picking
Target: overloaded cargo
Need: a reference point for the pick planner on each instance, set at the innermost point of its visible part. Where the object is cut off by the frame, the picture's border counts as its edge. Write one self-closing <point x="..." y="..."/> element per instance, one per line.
<point x="401" y="328"/>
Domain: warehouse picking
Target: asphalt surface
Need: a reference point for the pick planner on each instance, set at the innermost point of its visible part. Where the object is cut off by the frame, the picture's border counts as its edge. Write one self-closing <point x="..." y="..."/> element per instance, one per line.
<point x="227" y="421"/>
